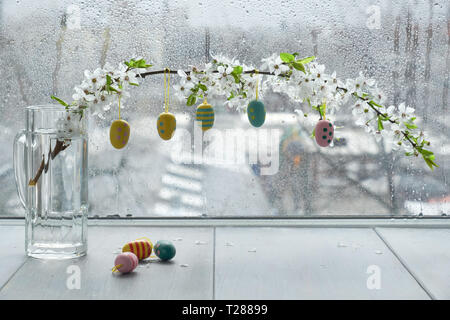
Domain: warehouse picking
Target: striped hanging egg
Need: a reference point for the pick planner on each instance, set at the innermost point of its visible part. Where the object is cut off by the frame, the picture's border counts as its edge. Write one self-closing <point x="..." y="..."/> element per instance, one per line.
<point x="205" y="115"/>
<point x="142" y="248"/>
<point x="166" y="125"/>
<point x="324" y="133"/>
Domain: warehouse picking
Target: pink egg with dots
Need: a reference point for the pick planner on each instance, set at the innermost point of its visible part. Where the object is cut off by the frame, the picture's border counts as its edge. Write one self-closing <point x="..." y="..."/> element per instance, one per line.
<point x="324" y="133"/>
<point x="126" y="262"/>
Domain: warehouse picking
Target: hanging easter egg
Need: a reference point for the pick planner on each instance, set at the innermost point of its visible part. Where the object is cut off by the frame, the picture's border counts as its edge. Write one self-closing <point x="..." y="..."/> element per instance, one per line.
<point x="125" y="262"/>
<point x="141" y="248"/>
<point x="119" y="133"/>
<point x="205" y="114"/>
<point x="165" y="250"/>
<point x="166" y="125"/>
<point x="256" y="113"/>
<point x="324" y="133"/>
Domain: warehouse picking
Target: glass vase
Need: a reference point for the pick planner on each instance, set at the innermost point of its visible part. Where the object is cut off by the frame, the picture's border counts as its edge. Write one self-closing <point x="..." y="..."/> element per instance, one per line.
<point x="51" y="171"/>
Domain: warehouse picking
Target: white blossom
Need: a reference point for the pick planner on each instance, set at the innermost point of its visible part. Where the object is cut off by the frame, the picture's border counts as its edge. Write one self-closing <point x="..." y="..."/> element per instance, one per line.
<point x="405" y="112"/>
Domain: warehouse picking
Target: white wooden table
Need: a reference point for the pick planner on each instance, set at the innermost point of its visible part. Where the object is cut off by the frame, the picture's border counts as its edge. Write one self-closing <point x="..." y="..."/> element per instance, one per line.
<point x="236" y="262"/>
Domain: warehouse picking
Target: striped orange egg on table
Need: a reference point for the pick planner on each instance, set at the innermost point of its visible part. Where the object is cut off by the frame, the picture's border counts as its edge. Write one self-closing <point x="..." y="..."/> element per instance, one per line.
<point x="141" y="247"/>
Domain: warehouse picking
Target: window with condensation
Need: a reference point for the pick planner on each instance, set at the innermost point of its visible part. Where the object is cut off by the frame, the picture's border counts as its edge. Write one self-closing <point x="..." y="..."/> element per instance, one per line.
<point x="237" y="170"/>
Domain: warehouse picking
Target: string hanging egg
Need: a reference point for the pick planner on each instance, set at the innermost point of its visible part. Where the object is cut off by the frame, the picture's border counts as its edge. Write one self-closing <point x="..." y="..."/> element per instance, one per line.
<point x="256" y="113"/>
<point x="119" y="133"/>
<point x="166" y="123"/>
<point x="205" y="115"/>
<point x="324" y="133"/>
<point x="256" y="110"/>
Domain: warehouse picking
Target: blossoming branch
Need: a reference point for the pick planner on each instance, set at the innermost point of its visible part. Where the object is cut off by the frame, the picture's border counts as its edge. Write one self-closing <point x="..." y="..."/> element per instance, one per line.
<point x="320" y="95"/>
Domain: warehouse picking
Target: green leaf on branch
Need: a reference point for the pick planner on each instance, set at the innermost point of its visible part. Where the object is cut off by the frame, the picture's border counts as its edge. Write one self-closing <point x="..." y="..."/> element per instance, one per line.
<point x="306" y="60"/>
<point x="428" y="156"/>
<point x="430" y="163"/>
<point x="133" y="64"/>
<point x="191" y="100"/>
<point x="142" y="64"/>
<point x="203" y="87"/>
<point x="236" y="77"/>
<point x="373" y="103"/>
<point x="410" y="124"/>
<point x="60" y="101"/>
<point x="237" y="70"/>
<point x="322" y="110"/>
<point x="130" y="64"/>
<point x="287" y="57"/>
<point x="380" y="124"/>
<point x="108" y="83"/>
<point x="427" y="153"/>
<point x="195" y="89"/>
<point x="299" y="66"/>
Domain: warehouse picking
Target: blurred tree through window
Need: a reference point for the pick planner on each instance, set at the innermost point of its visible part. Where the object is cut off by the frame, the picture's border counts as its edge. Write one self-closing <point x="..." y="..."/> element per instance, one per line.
<point x="45" y="46"/>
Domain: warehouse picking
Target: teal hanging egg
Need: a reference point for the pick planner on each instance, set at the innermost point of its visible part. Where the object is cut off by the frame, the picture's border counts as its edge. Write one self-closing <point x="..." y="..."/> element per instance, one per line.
<point x="205" y="115"/>
<point x="165" y="250"/>
<point x="256" y="113"/>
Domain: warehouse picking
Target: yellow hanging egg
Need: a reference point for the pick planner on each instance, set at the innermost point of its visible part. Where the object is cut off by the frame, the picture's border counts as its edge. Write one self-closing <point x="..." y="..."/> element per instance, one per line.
<point x="205" y="114"/>
<point x="141" y="248"/>
<point x="166" y="125"/>
<point x="119" y="133"/>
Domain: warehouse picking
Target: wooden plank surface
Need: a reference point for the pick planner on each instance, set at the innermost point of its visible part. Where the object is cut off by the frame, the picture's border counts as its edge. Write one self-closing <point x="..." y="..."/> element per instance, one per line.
<point x="250" y="263"/>
<point x="426" y="252"/>
<point x="39" y="279"/>
<point x="307" y="263"/>
<point x="12" y="254"/>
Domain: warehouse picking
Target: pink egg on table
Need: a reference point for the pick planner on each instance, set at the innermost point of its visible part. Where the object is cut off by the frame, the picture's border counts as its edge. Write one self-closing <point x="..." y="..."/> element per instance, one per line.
<point x="324" y="133"/>
<point x="126" y="262"/>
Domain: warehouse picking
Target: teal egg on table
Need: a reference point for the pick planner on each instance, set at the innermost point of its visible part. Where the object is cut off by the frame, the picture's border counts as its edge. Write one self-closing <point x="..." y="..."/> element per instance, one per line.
<point x="165" y="250"/>
<point x="256" y="113"/>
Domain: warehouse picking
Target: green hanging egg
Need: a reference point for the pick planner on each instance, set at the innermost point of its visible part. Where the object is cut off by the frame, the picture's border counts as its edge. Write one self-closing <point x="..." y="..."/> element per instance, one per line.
<point x="165" y="250"/>
<point x="205" y="114"/>
<point x="256" y="113"/>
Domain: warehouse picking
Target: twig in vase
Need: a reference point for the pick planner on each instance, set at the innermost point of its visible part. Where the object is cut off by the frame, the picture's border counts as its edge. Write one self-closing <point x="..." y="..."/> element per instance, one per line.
<point x="60" y="146"/>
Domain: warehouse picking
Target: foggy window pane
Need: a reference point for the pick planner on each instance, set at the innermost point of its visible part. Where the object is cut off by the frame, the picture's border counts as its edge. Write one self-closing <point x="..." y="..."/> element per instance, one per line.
<point x="45" y="46"/>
